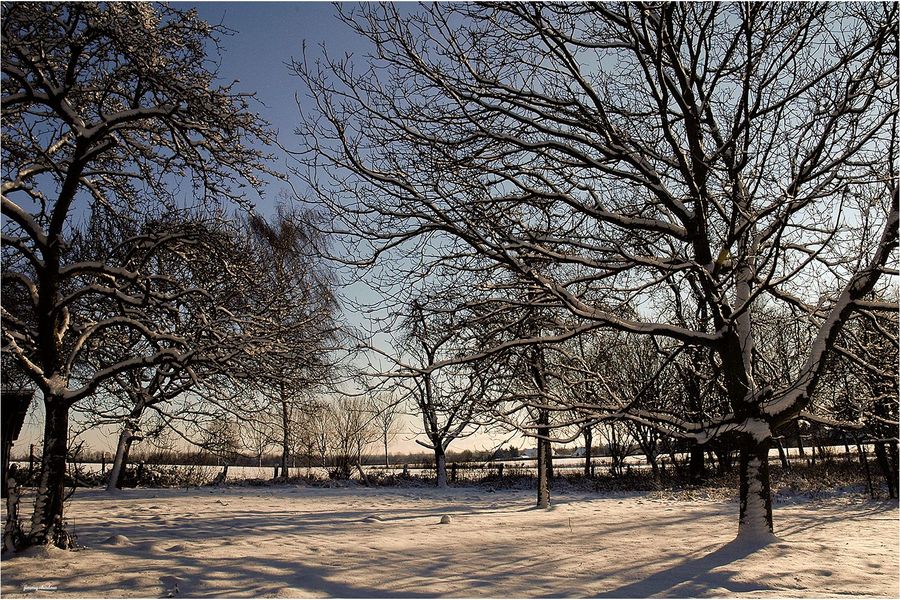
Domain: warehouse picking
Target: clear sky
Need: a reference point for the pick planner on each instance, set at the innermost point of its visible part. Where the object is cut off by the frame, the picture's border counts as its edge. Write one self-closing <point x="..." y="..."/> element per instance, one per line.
<point x="266" y="36"/>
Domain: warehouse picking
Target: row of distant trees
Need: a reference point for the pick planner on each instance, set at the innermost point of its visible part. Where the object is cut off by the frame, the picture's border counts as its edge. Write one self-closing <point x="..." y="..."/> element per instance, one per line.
<point x="855" y="399"/>
<point x="675" y="220"/>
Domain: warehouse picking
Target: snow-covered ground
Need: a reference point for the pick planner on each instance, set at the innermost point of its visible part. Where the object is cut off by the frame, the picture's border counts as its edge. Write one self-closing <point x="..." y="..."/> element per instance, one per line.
<point x="292" y="541"/>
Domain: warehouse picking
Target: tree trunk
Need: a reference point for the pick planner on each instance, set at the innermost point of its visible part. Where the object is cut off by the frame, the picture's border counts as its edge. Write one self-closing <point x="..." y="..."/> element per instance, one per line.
<point x="800" y="449"/>
<point x="362" y="474"/>
<point x="543" y="434"/>
<point x="588" y="440"/>
<point x="782" y="455"/>
<point x="650" y="457"/>
<point x="387" y="462"/>
<point x="543" y="462"/>
<point x="723" y="458"/>
<point x="285" y="433"/>
<point x="548" y="458"/>
<point x="440" y="465"/>
<point x="122" y="448"/>
<point x="755" y="490"/>
<point x="884" y="465"/>
<point x="47" y="521"/>
<point x="697" y="465"/>
<point x="543" y="482"/>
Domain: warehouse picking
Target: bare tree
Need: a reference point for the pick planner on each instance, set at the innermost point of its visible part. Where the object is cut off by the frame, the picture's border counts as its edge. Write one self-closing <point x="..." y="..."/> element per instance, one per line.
<point x="140" y="394"/>
<point x="300" y="301"/>
<point x="619" y="445"/>
<point x="221" y="437"/>
<point x="351" y="422"/>
<point x="256" y="435"/>
<point x="318" y="424"/>
<point x="114" y="106"/>
<point x="445" y="399"/>
<point x="387" y="409"/>
<point x="743" y="153"/>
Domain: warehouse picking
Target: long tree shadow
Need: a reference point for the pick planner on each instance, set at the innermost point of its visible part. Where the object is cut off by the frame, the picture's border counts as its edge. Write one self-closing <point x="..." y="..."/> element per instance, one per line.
<point x="695" y="577"/>
<point x="825" y="514"/>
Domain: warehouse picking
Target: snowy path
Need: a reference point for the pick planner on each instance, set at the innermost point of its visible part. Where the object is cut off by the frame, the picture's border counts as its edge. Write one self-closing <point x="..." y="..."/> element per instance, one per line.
<point x="387" y="542"/>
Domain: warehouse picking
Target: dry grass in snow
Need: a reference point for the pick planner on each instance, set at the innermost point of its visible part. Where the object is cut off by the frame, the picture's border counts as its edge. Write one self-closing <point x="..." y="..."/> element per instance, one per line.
<point x="388" y="542"/>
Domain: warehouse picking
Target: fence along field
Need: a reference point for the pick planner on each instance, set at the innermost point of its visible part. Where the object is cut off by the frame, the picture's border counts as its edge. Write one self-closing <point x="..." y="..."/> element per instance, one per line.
<point x="875" y="468"/>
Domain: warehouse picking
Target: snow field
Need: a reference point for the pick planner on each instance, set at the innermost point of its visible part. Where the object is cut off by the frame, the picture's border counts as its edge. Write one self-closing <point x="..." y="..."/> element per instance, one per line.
<point x="294" y="541"/>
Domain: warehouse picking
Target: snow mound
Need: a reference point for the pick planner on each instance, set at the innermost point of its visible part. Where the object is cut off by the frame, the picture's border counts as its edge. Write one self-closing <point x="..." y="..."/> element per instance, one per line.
<point x="176" y="548"/>
<point x="117" y="540"/>
<point x="445" y="520"/>
<point x="757" y="539"/>
<point x="40" y="551"/>
<point x="175" y="586"/>
<point x="373" y="519"/>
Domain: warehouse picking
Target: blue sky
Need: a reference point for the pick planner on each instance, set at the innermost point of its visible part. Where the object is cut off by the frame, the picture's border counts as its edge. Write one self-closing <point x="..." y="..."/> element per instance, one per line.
<point x="266" y="36"/>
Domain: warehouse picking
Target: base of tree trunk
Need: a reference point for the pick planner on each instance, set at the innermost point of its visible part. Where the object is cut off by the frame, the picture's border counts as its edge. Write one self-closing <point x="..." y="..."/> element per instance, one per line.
<point x="697" y="465"/>
<point x="47" y="524"/>
<point x="57" y="536"/>
<point x="543" y="476"/>
<point x="755" y="492"/>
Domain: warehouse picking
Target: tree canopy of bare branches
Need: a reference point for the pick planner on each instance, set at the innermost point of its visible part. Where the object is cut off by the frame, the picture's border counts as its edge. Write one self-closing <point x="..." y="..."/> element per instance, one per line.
<point x="633" y="165"/>
<point x="113" y="107"/>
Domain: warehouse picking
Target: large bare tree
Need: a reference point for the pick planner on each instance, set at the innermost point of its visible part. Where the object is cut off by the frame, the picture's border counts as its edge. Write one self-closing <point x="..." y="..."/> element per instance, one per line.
<point x="111" y="106"/>
<point x="300" y="300"/>
<point x="444" y="399"/>
<point x="742" y="154"/>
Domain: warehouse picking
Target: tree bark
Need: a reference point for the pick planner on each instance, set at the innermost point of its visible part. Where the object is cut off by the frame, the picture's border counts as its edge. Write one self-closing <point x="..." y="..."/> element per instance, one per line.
<point x="548" y="457"/>
<point x="440" y="465"/>
<point x="543" y="500"/>
<point x="588" y="440"/>
<point x="653" y="463"/>
<point x="800" y="450"/>
<point x="723" y="458"/>
<point x="884" y="465"/>
<point x="782" y="455"/>
<point x="122" y="447"/>
<point x="755" y="490"/>
<point x="543" y="461"/>
<point x="47" y="526"/>
<point x="362" y="473"/>
<point x="285" y="432"/>
<point x="697" y="464"/>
